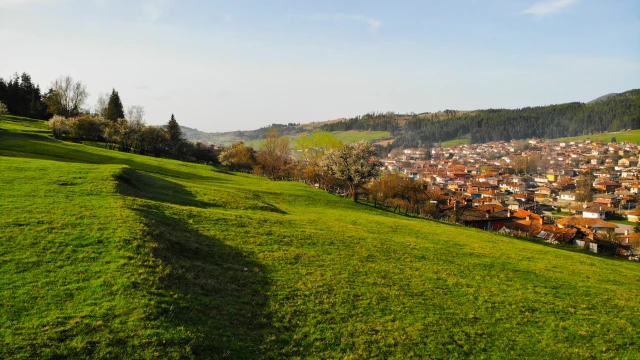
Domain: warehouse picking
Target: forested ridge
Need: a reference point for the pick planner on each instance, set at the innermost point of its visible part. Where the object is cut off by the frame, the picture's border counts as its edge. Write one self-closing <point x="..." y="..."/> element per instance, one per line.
<point x="618" y="112"/>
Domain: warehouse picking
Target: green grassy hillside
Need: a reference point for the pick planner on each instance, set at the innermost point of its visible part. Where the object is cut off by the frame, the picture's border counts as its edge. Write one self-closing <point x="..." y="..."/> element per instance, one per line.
<point x="632" y="136"/>
<point x="454" y="143"/>
<point x="346" y="137"/>
<point x="112" y="255"/>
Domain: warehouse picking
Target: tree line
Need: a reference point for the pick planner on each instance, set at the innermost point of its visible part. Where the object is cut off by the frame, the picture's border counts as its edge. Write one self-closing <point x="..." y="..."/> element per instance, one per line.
<point x="133" y="135"/>
<point x="21" y="97"/>
<point x="368" y="122"/>
<point x="324" y="161"/>
<point x="109" y="123"/>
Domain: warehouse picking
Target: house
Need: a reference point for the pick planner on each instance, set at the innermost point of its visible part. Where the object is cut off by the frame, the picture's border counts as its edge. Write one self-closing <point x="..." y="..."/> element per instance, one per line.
<point x="606" y="200"/>
<point x="631" y="162"/>
<point x="630" y="243"/>
<point x="590" y="232"/>
<point x="593" y="211"/>
<point x="633" y="216"/>
<point x="540" y="179"/>
<point x="514" y="187"/>
<point x="526" y="222"/>
<point x="607" y="186"/>
<point x="568" y="196"/>
<point x="514" y="204"/>
<point x="627" y="173"/>
<point x="556" y="235"/>
<point x="484" y="219"/>
<point x="542" y="192"/>
<point x="595" y="225"/>
<point x="489" y="218"/>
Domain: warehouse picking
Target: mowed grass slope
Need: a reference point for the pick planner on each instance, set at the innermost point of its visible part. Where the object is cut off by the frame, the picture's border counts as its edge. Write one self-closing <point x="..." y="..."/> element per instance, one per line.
<point x="105" y="254"/>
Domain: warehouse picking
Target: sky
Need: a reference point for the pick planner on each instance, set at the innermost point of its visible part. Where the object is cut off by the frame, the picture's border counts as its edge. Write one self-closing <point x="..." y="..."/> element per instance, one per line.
<point x="241" y="65"/>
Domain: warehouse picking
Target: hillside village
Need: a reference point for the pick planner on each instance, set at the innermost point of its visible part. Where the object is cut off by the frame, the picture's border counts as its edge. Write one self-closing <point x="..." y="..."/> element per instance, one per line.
<point x="570" y="194"/>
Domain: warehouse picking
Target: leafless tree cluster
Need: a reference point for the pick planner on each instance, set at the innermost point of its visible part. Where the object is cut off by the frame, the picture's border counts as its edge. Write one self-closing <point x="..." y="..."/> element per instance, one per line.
<point x="66" y="97"/>
<point x="400" y="192"/>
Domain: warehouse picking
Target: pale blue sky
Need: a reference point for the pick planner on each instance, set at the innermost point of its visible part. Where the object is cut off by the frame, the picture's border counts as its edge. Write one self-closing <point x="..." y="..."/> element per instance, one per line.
<point x="227" y="65"/>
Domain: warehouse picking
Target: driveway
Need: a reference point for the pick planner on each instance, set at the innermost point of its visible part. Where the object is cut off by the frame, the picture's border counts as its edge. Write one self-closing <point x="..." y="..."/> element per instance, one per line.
<point x="622" y="227"/>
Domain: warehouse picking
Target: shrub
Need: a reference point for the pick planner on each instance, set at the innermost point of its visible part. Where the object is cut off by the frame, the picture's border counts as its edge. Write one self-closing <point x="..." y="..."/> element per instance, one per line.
<point x="60" y="126"/>
<point x="86" y="127"/>
<point x="238" y="157"/>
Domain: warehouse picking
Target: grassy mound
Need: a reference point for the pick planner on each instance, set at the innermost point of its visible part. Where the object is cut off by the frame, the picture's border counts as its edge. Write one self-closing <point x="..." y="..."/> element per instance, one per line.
<point x="105" y="254"/>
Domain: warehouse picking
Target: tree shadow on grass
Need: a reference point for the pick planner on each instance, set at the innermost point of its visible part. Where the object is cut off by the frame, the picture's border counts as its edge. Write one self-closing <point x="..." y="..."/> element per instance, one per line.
<point x="214" y="292"/>
<point x="135" y="184"/>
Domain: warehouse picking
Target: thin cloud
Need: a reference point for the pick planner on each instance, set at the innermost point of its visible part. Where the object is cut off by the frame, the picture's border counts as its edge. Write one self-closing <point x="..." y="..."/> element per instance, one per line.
<point x="372" y="23"/>
<point x="544" y="8"/>
<point x="154" y="9"/>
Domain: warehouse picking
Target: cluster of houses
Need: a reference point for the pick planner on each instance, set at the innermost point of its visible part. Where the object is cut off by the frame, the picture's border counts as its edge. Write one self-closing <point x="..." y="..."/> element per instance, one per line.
<point x="570" y="193"/>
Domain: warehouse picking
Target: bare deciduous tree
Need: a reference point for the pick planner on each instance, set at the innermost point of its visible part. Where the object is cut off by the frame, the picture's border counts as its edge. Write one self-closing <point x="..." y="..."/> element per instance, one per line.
<point x="274" y="154"/>
<point x="66" y="96"/>
<point x="101" y="105"/>
<point x="135" y="113"/>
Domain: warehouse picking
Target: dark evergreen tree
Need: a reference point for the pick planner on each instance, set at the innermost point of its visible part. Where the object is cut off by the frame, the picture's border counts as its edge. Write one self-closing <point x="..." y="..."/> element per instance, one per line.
<point x="115" y="110"/>
<point x="22" y="97"/>
<point x="176" y="138"/>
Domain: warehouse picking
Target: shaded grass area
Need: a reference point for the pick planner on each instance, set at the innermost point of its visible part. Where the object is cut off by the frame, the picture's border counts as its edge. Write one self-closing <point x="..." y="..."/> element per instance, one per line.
<point x="141" y="257"/>
<point x="135" y="184"/>
<point x="215" y="294"/>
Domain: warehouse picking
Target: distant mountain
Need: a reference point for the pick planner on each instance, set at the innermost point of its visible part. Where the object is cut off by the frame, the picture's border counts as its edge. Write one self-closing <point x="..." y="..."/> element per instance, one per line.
<point x="603" y="98"/>
<point x="196" y="135"/>
<point x="227" y="138"/>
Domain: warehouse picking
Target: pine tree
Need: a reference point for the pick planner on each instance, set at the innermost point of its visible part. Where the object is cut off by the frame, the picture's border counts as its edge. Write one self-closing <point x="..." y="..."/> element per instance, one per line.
<point x="115" y="110"/>
<point x="176" y="138"/>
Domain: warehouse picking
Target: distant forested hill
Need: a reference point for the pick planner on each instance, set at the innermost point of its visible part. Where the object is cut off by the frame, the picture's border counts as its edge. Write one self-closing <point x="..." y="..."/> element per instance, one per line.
<point x="609" y="113"/>
<point x="241" y="135"/>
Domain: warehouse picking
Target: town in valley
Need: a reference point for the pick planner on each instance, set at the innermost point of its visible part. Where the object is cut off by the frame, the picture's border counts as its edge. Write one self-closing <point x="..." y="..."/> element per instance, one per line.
<point x="581" y="193"/>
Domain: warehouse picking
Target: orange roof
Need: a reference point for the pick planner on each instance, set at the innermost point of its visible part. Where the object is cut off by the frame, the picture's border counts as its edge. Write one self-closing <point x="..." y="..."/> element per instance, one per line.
<point x="524" y="213"/>
<point x="585" y="222"/>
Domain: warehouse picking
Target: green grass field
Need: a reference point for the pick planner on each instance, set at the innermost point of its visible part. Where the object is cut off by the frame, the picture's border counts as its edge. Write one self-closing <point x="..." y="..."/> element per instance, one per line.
<point x="112" y="255"/>
<point x="346" y="137"/>
<point x="632" y="136"/>
<point x="456" y="142"/>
